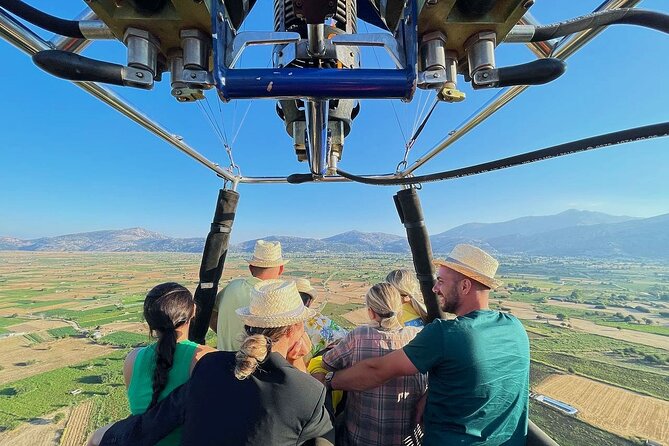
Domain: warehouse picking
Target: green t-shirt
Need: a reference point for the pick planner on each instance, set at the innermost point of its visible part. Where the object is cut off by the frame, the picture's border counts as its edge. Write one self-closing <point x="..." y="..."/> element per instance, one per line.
<point x="478" y="379"/>
<point x="140" y="390"/>
<point x="229" y="326"/>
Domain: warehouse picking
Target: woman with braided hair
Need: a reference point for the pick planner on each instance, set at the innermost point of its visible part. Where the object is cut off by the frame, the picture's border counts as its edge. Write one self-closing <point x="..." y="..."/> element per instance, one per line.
<point x="152" y="372"/>
<point x="384" y="415"/>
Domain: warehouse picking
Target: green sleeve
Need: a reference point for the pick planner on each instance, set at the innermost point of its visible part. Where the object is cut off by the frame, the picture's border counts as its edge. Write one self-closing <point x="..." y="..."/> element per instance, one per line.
<point x="425" y="350"/>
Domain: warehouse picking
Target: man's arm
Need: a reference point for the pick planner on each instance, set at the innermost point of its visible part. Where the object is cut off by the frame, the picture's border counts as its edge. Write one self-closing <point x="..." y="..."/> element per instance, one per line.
<point x="373" y="372"/>
<point x="213" y="320"/>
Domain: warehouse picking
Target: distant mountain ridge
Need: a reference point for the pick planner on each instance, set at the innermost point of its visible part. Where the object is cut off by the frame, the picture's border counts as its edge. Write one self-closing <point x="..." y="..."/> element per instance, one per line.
<point x="571" y="233"/>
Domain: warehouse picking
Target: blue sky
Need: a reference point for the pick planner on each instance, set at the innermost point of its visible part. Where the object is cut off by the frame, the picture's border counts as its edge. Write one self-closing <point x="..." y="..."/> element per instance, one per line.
<point x="71" y="164"/>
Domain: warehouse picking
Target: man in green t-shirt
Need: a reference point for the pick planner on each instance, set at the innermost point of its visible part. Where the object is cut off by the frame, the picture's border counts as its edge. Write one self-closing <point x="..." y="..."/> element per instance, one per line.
<point x="477" y="364"/>
<point x="267" y="263"/>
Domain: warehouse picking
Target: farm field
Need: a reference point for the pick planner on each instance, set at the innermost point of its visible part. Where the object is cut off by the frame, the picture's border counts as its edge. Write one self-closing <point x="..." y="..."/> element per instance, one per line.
<point x="610" y="408"/>
<point x="68" y="319"/>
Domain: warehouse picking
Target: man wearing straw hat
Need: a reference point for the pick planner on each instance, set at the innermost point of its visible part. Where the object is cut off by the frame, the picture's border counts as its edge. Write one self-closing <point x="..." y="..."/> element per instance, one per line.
<point x="478" y="363"/>
<point x="267" y="263"/>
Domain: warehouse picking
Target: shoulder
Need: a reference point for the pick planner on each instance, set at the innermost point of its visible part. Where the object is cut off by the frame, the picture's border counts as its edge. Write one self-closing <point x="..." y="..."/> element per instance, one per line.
<point x="132" y="356"/>
<point x="214" y="360"/>
<point x="309" y="387"/>
<point x="201" y="351"/>
<point x="129" y="363"/>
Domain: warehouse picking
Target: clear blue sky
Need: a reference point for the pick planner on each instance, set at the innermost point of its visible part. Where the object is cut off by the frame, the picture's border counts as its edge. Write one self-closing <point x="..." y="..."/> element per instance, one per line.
<point x="71" y="164"/>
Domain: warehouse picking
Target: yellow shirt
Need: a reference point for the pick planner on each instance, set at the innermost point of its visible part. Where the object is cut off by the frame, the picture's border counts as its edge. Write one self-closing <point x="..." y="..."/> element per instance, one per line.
<point x="410" y="317"/>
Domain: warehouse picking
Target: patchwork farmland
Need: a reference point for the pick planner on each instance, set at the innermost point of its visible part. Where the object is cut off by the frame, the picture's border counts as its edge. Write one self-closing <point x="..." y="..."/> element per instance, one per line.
<point x="67" y="320"/>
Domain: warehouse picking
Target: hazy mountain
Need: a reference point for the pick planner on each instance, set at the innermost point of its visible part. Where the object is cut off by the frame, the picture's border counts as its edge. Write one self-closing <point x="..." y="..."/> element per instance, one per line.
<point x="531" y="225"/>
<point x="133" y="239"/>
<point x="482" y="233"/>
<point x="635" y="239"/>
<point x="12" y="244"/>
<point x="366" y="241"/>
<point x="570" y="233"/>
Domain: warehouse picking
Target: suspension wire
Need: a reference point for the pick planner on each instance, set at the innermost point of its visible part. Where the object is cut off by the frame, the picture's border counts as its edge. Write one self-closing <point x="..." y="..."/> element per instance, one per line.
<point x="241" y="123"/>
<point x="206" y="100"/>
<point x="410" y="143"/>
<point x="217" y="131"/>
<point x="378" y="64"/>
<point x="594" y="142"/>
<point x="421" y="100"/>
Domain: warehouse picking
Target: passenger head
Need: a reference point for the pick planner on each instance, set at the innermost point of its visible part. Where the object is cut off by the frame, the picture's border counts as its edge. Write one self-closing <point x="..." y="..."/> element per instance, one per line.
<point x="409" y="288"/>
<point x="464" y="279"/>
<point x="307" y="292"/>
<point x="267" y="262"/>
<point x="168" y="307"/>
<point x="274" y="320"/>
<point x="384" y="305"/>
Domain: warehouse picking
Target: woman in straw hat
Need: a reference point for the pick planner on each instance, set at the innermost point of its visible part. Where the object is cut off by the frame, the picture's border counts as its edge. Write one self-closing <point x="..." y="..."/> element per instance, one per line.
<point x="388" y="410"/>
<point x="414" y="312"/>
<point x="251" y="397"/>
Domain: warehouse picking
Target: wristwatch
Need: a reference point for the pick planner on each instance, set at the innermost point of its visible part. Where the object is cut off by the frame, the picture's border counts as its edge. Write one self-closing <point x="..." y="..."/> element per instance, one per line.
<point x="328" y="380"/>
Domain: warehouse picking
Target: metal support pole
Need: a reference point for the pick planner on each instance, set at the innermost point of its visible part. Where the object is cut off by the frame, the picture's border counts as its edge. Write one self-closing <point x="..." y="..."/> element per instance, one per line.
<point x="316" y="113"/>
<point x="213" y="260"/>
<point x="540" y="49"/>
<point x="73" y="44"/>
<point x="411" y="215"/>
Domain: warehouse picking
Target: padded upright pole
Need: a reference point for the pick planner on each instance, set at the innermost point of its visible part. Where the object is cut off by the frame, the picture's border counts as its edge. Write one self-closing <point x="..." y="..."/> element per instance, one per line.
<point x="213" y="259"/>
<point x="411" y="215"/>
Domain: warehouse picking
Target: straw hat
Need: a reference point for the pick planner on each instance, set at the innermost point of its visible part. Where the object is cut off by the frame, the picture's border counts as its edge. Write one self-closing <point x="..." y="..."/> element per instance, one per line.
<point x="267" y="254"/>
<point x="304" y="286"/>
<point x="275" y="303"/>
<point x="474" y="263"/>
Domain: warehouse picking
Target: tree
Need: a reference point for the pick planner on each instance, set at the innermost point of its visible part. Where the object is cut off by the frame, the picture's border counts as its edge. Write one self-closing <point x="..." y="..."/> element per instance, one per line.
<point x="560" y="317"/>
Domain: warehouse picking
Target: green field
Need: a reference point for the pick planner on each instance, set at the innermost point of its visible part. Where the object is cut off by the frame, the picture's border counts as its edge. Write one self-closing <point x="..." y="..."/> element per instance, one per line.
<point x="30" y="398"/>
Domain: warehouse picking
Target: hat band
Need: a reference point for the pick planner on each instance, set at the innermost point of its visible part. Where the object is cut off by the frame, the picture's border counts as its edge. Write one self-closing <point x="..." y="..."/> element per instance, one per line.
<point x="287" y="314"/>
<point x="469" y="267"/>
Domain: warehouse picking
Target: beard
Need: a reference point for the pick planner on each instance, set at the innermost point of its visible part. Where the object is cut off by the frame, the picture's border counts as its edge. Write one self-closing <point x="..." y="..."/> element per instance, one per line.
<point x="450" y="302"/>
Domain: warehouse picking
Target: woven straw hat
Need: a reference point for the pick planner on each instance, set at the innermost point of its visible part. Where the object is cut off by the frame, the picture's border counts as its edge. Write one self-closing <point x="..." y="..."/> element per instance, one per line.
<point x="275" y="303"/>
<point x="304" y="286"/>
<point x="267" y="255"/>
<point x="474" y="263"/>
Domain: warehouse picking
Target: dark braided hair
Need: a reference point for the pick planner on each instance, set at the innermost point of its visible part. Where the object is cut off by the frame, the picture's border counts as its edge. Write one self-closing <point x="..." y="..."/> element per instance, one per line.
<point x="166" y="307"/>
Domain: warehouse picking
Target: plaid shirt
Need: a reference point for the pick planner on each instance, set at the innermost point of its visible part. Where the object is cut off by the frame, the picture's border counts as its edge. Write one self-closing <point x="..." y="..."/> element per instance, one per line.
<point x="382" y="416"/>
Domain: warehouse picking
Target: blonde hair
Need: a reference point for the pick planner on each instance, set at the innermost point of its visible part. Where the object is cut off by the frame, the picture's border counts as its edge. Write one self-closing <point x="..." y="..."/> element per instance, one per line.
<point x="385" y="301"/>
<point x="255" y="348"/>
<point x="406" y="283"/>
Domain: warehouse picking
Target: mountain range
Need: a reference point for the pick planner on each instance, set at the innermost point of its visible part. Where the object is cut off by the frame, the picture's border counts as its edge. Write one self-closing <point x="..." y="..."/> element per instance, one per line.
<point x="572" y="233"/>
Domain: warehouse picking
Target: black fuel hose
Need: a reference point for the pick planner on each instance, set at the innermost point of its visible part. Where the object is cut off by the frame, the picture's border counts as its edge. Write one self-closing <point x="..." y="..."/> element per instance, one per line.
<point x="627" y="16"/>
<point x="595" y="142"/>
<point x="69" y="28"/>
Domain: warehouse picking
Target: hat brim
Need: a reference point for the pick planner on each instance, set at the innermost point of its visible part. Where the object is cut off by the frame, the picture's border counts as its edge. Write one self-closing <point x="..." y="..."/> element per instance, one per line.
<point x="490" y="282"/>
<point x="267" y="263"/>
<point x="274" y="321"/>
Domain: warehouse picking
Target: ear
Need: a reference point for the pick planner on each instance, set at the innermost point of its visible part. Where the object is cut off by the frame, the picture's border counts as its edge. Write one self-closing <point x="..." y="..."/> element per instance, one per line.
<point x="466" y="286"/>
<point x="281" y="270"/>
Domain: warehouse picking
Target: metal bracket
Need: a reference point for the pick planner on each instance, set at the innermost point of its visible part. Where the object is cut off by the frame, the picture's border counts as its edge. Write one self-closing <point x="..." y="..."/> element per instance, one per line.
<point x="255" y="38"/>
<point x="375" y="40"/>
